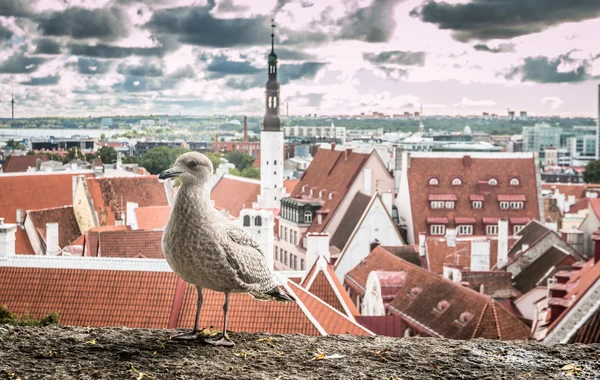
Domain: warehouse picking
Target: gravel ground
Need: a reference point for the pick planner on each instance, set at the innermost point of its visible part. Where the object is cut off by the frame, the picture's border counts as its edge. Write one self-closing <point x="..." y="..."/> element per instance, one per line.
<point x="121" y="353"/>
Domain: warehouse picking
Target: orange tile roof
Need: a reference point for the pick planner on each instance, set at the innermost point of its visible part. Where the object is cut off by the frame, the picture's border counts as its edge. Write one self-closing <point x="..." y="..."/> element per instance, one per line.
<point x="16" y="164"/>
<point x="575" y="189"/>
<point x="474" y="173"/>
<point x="322" y="281"/>
<point x="129" y="243"/>
<point x="595" y="206"/>
<point x="33" y="192"/>
<point x="84" y="297"/>
<point x="465" y="313"/>
<point x="581" y="204"/>
<point x="332" y="171"/>
<point x="378" y="260"/>
<point x="290" y="184"/>
<point x="110" y="195"/>
<point x="68" y="229"/>
<point x="153" y="217"/>
<point x="233" y="194"/>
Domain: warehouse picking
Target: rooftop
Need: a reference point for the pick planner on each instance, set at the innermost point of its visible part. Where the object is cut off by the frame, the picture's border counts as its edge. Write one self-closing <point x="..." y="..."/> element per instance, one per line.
<point x="232" y="193"/>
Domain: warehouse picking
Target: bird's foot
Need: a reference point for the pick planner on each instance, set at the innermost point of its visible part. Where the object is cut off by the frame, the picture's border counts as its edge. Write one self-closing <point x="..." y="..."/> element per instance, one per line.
<point x="192" y="335"/>
<point x="222" y="341"/>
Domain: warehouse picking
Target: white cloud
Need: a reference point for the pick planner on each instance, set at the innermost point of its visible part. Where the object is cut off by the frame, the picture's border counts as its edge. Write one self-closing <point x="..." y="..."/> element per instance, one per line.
<point x="554" y="101"/>
<point x="466" y="102"/>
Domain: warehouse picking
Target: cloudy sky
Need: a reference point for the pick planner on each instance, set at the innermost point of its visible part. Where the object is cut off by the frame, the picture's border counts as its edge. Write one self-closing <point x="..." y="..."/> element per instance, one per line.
<point x="202" y="57"/>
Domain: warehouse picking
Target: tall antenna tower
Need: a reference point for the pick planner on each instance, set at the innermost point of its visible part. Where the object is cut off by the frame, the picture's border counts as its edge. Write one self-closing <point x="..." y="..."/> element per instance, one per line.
<point x="12" y="104"/>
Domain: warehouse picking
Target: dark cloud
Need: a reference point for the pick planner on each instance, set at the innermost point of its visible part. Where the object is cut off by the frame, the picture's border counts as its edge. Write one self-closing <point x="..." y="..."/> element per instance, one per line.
<point x="196" y="26"/>
<point x="47" y="46"/>
<point x="502" y="48"/>
<point x="5" y="34"/>
<point x="109" y="51"/>
<point x="106" y="24"/>
<point x="503" y="19"/>
<point x="18" y="63"/>
<point x="145" y="69"/>
<point x="144" y="84"/>
<point x="544" y="70"/>
<point x="17" y="8"/>
<point x="374" y="23"/>
<point x="306" y="70"/>
<point x="406" y="58"/>
<point x="311" y="99"/>
<point x="92" y="66"/>
<point x="293" y="54"/>
<point x="220" y="66"/>
<point x="185" y="72"/>
<point x="42" y="81"/>
<point x="238" y="83"/>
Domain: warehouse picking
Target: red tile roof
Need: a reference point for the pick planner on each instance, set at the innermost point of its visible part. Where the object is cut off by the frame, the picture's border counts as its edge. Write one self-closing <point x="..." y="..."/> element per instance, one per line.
<point x="581" y="204"/>
<point x="68" y="229"/>
<point x="290" y="184"/>
<point x="511" y="198"/>
<point x="435" y="306"/>
<point x="384" y="325"/>
<point x="33" y="192"/>
<point x="322" y="281"/>
<point x="577" y="190"/>
<point x="437" y="219"/>
<point x="153" y="217"/>
<point x="378" y="260"/>
<point x="16" y="164"/>
<point x="595" y="206"/>
<point x="110" y="195"/>
<point x="332" y="171"/>
<point x="84" y="297"/>
<point x="472" y="170"/>
<point x="128" y="243"/>
<point x="465" y="220"/>
<point x="233" y="194"/>
<point x="441" y="197"/>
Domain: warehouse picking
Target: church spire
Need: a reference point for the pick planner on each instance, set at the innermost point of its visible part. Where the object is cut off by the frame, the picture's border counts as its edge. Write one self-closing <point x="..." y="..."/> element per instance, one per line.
<point x="12" y="104"/>
<point x="272" y="120"/>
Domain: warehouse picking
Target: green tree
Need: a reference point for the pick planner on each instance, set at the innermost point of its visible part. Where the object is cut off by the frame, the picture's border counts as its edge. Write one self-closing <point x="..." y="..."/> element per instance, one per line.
<point x="160" y="158"/>
<point x="102" y="137"/>
<point x="240" y="159"/>
<point x="107" y="154"/>
<point x="15" y="145"/>
<point x="592" y="172"/>
<point x="72" y="154"/>
<point x="215" y="158"/>
<point x="236" y="172"/>
<point x="251" y="172"/>
<point x="130" y="160"/>
<point x="89" y="157"/>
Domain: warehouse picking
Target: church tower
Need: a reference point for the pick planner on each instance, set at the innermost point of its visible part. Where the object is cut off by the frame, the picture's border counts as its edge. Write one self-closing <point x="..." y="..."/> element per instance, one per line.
<point x="271" y="139"/>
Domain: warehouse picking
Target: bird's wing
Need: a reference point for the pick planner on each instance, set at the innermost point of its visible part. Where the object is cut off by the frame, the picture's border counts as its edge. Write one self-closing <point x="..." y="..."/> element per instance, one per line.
<point x="245" y="256"/>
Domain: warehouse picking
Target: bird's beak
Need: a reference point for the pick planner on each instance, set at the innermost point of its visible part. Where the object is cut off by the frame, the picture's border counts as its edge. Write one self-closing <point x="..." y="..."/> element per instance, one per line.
<point x="169" y="173"/>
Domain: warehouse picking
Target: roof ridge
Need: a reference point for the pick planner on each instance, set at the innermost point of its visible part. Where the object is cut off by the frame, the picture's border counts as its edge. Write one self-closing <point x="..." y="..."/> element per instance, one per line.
<point x="304" y="308"/>
<point x="479" y="321"/>
<point x="496" y="319"/>
<point x="49" y="208"/>
<point x="336" y="291"/>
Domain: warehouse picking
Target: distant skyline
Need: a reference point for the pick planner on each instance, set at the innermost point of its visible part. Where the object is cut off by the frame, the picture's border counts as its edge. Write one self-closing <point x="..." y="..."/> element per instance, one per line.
<point x="194" y="57"/>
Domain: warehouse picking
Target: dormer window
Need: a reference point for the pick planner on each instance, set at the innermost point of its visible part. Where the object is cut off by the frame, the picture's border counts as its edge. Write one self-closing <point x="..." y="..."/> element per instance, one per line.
<point x="477" y="204"/>
<point x="504" y="205"/>
<point x="303" y="188"/>
<point x="493" y="182"/>
<point x="414" y="292"/>
<point x="514" y="182"/>
<point x="307" y="216"/>
<point x="434" y="182"/>
<point x="456" y="182"/>
<point x="464" y="318"/>
<point x="321" y="194"/>
<point x="311" y="192"/>
<point x="330" y="196"/>
<point x="442" y="306"/>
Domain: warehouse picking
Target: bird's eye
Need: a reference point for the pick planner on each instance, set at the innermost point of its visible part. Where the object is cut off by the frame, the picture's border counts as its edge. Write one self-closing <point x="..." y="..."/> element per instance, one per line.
<point x="194" y="164"/>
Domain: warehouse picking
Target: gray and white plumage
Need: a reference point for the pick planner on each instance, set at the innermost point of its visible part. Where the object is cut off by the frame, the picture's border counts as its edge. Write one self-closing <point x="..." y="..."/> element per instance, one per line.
<point x="203" y="247"/>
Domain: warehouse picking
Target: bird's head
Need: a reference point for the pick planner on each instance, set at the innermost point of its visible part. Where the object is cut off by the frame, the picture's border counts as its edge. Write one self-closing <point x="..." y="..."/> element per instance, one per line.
<point x="191" y="168"/>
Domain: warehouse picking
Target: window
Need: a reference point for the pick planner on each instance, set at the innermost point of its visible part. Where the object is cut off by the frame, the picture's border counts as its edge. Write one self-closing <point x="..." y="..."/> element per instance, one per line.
<point x="258" y="221"/>
<point x="465" y="230"/>
<point x="330" y="196"/>
<point x="303" y="188"/>
<point x="321" y="194"/>
<point x="434" y="181"/>
<point x="438" y="229"/>
<point x="307" y="216"/>
<point x="437" y="204"/>
<point x="514" y="182"/>
<point x="274" y="173"/>
<point x="450" y="204"/>
<point x="246" y="220"/>
<point x="301" y="264"/>
<point x="285" y="257"/>
<point x="295" y="262"/>
<point x="276" y="254"/>
<point x="295" y="237"/>
<point x="477" y="204"/>
<point x="493" y="182"/>
<point x="491" y="229"/>
<point x="504" y="205"/>
<point x="516" y="205"/>
<point x="518" y="228"/>
<point x="310" y="192"/>
<point x="275" y="162"/>
<point x="281" y="232"/>
<point x="456" y="181"/>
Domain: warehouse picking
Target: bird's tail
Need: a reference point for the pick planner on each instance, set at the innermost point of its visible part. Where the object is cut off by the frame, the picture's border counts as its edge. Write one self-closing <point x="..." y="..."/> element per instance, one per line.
<point x="275" y="294"/>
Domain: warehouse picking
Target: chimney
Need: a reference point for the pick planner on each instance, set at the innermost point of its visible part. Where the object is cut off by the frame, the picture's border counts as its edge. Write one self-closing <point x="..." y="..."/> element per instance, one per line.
<point x="467" y="161"/>
<point x="20" y="218"/>
<point x="502" y="243"/>
<point x="131" y="219"/>
<point x="52" y="247"/>
<point x="317" y="244"/>
<point x="480" y="255"/>
<point x="367" y="181"/>
<point x="347" y="153"/>
<point x="7" y="239"/>
<point x="596" y="239"/>
<point x="388" y="201"/>
<point x="38" y="164"/>
<point x="451" y="237"/>
<point x="332" y="147"/>
<point x="422" y="246"/>
<point x="245" y="128"/>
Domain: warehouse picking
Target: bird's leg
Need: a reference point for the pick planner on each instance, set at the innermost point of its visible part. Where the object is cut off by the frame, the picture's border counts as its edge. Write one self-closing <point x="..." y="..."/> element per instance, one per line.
<point x="224" y="339"/>
<point x="195" y="333"/>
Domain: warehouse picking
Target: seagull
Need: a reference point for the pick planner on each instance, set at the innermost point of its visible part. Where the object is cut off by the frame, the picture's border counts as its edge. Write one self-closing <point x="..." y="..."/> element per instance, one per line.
<point x="209" y="251"/>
